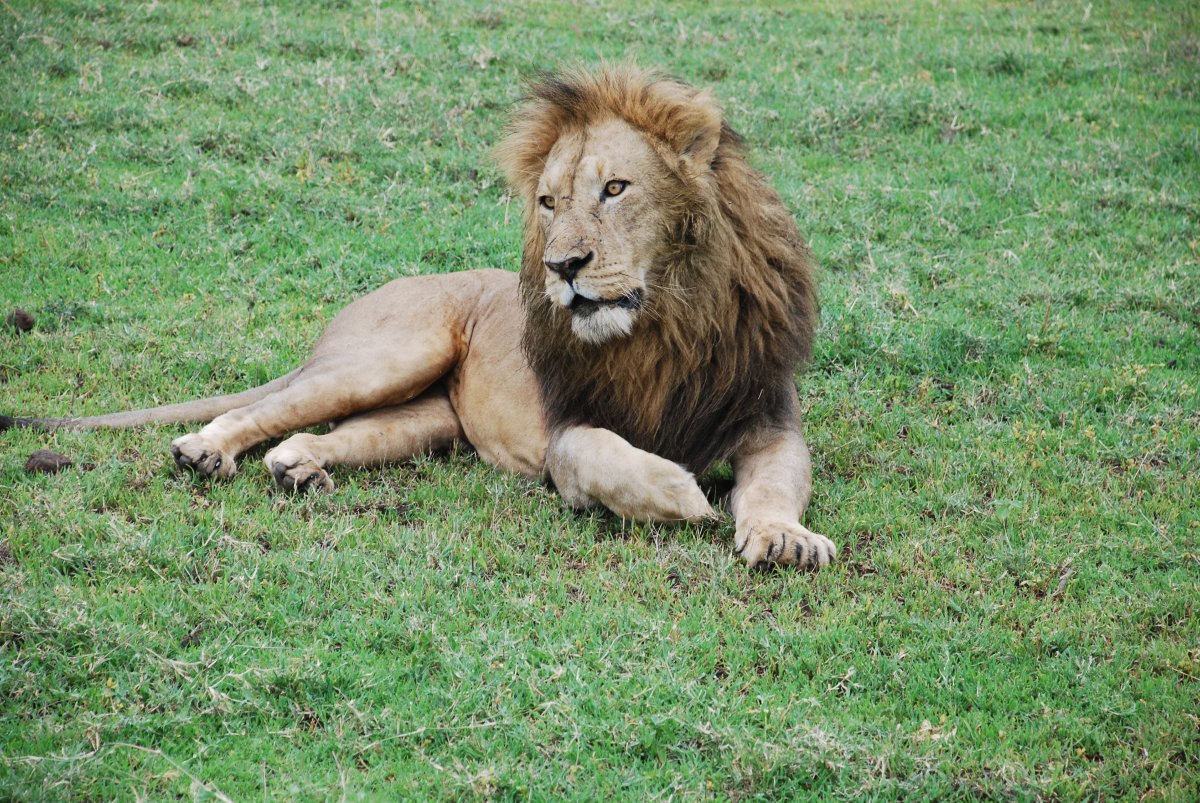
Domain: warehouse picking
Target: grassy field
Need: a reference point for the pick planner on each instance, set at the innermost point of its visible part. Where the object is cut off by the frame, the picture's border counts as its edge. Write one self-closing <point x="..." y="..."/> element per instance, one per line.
<point x="1003" y="409"/>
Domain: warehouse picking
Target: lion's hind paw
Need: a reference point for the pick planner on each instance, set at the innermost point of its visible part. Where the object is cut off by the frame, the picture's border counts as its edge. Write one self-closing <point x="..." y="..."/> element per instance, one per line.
<point x="295" y="470"/>
<point x="197" y="454"/>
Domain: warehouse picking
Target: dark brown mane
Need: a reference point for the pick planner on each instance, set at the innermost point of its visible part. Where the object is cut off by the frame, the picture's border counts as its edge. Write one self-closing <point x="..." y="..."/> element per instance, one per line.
<point x="732" y="305"/>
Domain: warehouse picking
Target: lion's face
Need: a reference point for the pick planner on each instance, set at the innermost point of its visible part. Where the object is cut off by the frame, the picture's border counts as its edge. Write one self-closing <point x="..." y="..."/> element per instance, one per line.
<point x="602" y="227"/>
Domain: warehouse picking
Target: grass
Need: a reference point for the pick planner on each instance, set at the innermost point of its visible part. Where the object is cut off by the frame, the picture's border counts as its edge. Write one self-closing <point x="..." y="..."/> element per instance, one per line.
<point x="1003" y="409"/>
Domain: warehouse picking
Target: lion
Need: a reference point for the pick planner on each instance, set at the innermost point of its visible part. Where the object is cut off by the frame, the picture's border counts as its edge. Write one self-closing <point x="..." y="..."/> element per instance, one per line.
<point x="664" y="302"/>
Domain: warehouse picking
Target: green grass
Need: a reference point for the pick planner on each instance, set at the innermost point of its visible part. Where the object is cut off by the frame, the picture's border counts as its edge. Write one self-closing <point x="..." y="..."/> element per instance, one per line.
<point x="1003" y="409"/>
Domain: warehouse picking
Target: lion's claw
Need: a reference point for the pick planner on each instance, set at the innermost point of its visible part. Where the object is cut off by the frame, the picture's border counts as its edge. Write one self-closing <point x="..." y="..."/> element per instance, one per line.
<point x="197" y="454"/>
<point x="764" y="543"/>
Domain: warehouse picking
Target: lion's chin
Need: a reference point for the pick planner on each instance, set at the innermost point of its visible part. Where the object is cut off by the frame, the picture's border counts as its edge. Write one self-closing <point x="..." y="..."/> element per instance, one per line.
<point x="603" y="323"/>
<point x="599" y="320"/>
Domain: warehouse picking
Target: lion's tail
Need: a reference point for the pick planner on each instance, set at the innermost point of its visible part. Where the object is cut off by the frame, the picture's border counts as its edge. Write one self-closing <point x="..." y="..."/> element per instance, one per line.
<point x="198" y="410"/>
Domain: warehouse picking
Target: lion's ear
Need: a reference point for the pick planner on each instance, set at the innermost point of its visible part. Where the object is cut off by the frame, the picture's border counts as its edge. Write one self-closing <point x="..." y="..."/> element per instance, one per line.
<point x="700" y="133"/>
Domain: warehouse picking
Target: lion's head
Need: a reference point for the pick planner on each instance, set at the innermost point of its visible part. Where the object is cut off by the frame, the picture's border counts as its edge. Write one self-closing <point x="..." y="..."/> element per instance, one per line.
<point x="667" y="293"/>
<point x="600" y="209"/>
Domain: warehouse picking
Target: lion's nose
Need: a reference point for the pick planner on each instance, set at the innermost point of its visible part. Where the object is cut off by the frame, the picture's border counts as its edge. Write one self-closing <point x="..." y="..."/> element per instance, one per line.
<point x="569" y="268"/>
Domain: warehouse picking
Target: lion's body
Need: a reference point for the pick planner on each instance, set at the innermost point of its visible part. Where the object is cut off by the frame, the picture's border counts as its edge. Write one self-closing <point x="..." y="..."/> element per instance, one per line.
<point x="464" y="327"/>
<point x="667" y="299"/>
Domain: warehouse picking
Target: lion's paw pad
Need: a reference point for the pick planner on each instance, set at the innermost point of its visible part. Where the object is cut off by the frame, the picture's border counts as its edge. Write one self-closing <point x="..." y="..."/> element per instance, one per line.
<point x="783" y="543"/>
<point x="197" y="454"/>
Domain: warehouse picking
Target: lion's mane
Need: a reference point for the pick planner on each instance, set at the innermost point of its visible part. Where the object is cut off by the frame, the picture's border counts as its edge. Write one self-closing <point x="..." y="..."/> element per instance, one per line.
<point x="731" y="308"/>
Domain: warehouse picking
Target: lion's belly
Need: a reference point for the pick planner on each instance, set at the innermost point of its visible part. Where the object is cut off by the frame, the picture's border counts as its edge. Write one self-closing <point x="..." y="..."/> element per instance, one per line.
<point x="494" y="391"/>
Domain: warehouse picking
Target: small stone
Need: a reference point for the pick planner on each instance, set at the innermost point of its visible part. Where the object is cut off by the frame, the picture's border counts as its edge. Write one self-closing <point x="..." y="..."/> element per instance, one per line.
<point x="20" y="320"/>
<point x="46" y="462"/>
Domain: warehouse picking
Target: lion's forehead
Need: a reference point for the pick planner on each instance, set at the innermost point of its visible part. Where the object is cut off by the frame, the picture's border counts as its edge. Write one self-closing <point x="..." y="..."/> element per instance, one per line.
<point x="581" y="160"/>
<point x="561" y="162"/>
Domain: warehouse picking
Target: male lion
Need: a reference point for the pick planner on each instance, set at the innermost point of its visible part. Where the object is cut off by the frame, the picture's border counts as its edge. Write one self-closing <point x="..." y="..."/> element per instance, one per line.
<point x="668" y="300"/>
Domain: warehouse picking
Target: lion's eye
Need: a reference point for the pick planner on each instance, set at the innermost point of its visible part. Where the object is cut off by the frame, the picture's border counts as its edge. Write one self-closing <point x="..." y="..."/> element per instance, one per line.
<point x="615" y="188"/>
<point x="547" y="201"/>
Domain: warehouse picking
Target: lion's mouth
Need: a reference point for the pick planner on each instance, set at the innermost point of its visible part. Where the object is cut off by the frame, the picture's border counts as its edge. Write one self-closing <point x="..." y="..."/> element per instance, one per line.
<point x="583" y="306"/>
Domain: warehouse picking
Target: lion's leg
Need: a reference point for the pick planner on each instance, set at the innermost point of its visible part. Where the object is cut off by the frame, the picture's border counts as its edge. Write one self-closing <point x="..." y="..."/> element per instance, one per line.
<point x="333" y="386"/>
<point x="424" y="425"/>
<point x="772" y="485"/>
<point x="591" y="465"/>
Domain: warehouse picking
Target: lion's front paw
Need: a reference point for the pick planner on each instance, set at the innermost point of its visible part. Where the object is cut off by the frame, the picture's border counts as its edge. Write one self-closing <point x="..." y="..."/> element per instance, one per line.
<point x="781" y="542"/>
<point x="678" y="497"/>
<point x="661" y="491"/>
<point x="297" y="470"/>
<point x="203" y="457"/>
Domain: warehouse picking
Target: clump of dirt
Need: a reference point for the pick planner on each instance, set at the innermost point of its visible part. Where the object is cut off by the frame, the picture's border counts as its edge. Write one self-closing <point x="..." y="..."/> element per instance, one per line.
<point x="193" y="638"/>
<point x="46" y="462"/>
<point x="20" y="320"/>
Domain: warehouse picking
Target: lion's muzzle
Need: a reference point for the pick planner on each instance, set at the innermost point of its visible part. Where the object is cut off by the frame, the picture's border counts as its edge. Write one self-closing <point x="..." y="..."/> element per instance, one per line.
<point x="569" y="267"/>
